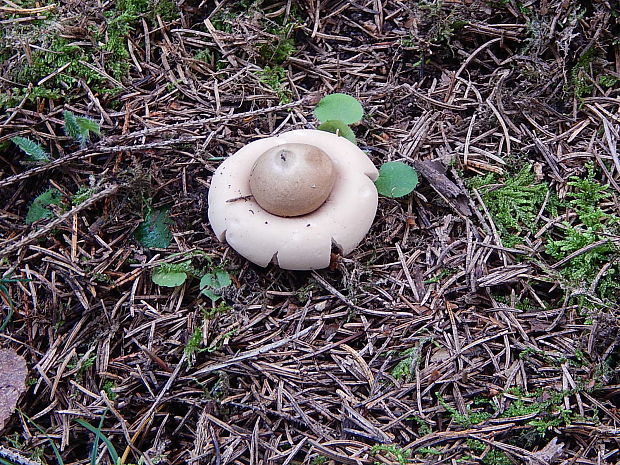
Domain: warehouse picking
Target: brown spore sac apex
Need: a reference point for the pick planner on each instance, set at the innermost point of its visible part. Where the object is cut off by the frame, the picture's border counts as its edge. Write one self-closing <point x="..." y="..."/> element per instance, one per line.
<point x="292" y="179"/>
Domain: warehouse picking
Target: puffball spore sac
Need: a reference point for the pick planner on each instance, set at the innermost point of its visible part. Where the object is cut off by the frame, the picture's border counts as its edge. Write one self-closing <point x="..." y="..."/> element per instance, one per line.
<point x="302" y="242"/>
<point x="292" y="179"/>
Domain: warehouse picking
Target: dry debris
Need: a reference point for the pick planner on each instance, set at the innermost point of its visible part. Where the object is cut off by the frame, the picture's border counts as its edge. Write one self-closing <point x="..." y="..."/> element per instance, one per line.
<point x="446" y="337"/>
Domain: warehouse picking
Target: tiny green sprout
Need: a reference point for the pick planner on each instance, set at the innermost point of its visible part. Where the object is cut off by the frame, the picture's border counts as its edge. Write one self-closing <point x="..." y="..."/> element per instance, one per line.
<point x="211" y="284"/>
<point x="339" y="128"/>
<point x="396" y="179"/>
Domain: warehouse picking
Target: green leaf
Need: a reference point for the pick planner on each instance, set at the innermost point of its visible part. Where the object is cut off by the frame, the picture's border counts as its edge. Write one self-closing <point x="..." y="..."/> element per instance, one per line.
<point x="38" y="209"/>
<point x="87" y="124"/>
<point x="71" y="127"/>
<point x="34" y="151"/>
<point x="166" y="278"/>
<point x="396" y="179"/>
<point x="79" y="128"/>
<point x="340" y="107"/>
<point x="154" y="231"/>
<point x="339" y="128"/>
<point x="212" y="283"/>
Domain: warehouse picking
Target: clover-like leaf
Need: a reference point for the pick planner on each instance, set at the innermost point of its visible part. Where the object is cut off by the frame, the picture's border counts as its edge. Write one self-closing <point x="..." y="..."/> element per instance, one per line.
<point x="339" y="128"/>
<point x="396" y="179"/>
<point x="339" y="107"/>
<point x="154" y="231"/>
<point x="212" y="283"/>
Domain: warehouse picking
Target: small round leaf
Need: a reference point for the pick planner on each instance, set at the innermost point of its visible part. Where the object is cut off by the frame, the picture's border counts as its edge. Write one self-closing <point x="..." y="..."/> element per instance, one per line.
<point x="396" y="179"/>
<point x="339" y="128"/>
<point x="341" y="107"/>
<point x="165" y="278"/>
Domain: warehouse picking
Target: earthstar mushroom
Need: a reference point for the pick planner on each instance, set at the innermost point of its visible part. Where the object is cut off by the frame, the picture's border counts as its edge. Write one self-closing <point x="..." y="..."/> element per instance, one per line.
<point x="239" y="214"/>
<point x="292" y="179"/>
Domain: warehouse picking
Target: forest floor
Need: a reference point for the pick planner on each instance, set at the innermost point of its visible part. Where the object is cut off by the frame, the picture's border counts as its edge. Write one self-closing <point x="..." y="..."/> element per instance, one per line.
<point x="479" y="320"/>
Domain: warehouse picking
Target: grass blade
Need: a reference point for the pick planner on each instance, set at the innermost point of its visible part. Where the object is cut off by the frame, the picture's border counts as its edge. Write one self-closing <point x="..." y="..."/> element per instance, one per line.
<point x="99" y="435"/>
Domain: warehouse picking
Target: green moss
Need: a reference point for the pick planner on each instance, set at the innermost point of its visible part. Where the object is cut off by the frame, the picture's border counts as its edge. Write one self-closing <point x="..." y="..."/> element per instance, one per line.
<point x="60" y="53"/>
<point x="492" y="457"/>
<point x="592" y="225"/>
<point x="513" y="204"/>
<point x="278" y="51"/>
<point x="13" y="96"/>
<point x="466" y="420"/>
<point x="167" y="10"/>
<point x="607" y="80"/>
<point x="579" y="81"/>
<point x="405" y="369"/>
<point x="274" y="77"/>
<point x="50" y="51"/>
<point x="393" y="452"/>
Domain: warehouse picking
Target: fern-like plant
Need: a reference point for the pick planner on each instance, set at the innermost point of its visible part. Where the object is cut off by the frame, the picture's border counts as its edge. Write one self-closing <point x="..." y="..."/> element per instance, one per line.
<point x="33" y="150"/>
<point x="80" y="128"/>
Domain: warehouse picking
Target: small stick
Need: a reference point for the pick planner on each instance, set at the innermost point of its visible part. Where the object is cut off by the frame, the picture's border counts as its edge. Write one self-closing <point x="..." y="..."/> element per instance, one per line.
<point x="15" y="457"/>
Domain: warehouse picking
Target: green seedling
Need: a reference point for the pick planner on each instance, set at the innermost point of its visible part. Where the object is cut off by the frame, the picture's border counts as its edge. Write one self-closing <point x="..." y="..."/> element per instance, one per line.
<point x="80" y="128"/>
<point x="336" y="112"/>
<point x="339" y="128"/>
<point x="212" y="284"/>
<point x="212" y="279"/>
<point x="339" y="107"/>
<point x="39" y="208"/>
<point x="33" y="151"/>
<point x="171" y="274"/>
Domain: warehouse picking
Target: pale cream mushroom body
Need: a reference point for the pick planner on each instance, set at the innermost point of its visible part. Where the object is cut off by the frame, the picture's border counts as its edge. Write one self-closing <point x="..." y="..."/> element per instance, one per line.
<point x="301" y="242"/>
